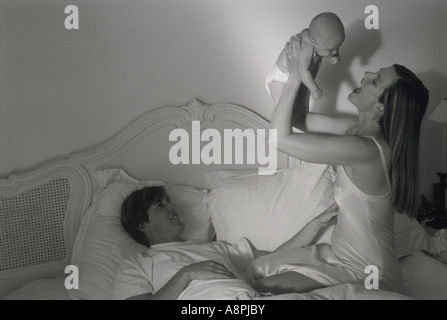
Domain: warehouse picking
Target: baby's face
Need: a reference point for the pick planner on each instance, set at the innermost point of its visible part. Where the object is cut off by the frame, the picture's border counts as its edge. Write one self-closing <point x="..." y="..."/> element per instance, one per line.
<point x="326" y="52"/>
<point x="327" y="37"/>
<point x="328" y="48"/>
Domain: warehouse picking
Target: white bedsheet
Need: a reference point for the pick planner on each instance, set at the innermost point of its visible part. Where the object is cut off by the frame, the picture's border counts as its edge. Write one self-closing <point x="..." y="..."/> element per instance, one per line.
<point x="42" y="289"/>
<point x="344" y="291"/>
<point x="425" y="278"/>
<point x="53" y="289"/>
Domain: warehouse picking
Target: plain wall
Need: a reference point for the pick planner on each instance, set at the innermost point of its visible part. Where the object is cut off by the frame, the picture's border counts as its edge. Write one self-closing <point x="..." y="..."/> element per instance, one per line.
<point x="63" y="90"/>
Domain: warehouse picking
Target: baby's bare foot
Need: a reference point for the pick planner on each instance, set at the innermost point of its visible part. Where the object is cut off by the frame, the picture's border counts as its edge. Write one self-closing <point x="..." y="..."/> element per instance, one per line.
<point x="317" y="94"/>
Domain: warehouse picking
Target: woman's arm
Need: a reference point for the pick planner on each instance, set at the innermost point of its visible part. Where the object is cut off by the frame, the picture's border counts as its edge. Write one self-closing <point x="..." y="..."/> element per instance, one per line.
<point x="263" y="265"/>
<point x="312" y="147"/>
<point x="307" y="235"/>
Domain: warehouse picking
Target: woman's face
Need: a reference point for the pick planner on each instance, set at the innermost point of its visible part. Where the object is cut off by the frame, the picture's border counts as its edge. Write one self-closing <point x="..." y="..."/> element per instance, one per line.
<point x="163" y="218"/>
<point x="372" y="87"/>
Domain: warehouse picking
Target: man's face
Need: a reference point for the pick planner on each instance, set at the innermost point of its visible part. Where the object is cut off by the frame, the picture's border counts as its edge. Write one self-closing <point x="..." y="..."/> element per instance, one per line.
<point x="163" y="218"/>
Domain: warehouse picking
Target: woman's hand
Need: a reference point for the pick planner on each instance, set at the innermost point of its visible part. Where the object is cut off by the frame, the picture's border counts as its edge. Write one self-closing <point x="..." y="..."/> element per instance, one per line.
<point x="292" y="50"/>
<point x="352" y="131"/>
<point x="206" y="270"/>
<point x="300" y="55"/>
<point x="327" y="217"/>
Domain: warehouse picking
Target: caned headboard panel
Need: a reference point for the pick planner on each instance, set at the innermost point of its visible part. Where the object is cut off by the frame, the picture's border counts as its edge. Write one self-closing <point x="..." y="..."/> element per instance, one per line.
<point x="41" y="209"/>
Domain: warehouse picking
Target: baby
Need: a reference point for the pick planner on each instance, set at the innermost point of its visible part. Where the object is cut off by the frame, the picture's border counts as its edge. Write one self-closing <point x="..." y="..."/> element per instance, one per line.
<point x="325" y="35"/>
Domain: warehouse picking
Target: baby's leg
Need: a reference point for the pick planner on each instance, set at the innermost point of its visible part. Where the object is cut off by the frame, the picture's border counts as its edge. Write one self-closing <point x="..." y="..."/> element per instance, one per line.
<point x="306" y="77"/>
<point x="277" y="76"/>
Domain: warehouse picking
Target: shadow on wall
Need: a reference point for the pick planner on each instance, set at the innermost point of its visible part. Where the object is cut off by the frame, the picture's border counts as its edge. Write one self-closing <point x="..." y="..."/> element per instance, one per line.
<point x="431" y="132"/>
<point x="360" y="44"/>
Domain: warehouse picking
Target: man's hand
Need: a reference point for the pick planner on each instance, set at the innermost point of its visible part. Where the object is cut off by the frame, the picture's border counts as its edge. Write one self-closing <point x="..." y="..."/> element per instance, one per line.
<point x="206" y="270"/>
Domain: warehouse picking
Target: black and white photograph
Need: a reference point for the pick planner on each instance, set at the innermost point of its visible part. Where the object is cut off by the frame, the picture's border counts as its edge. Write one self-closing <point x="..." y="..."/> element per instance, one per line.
<point x="204" y="150"/>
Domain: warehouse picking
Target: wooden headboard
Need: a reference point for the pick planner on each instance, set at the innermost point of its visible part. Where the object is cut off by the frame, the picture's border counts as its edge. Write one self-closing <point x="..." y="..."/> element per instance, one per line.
<point x="41" y="209"/>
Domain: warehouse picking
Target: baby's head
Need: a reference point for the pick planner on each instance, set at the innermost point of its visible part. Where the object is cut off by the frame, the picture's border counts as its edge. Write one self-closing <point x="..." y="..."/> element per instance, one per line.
<point x="327" y="35"/>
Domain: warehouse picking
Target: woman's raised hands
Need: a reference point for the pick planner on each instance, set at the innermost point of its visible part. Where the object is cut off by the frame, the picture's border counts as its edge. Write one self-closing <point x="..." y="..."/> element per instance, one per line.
<point x="292" y="49"/>
<point x="301" y="58"/>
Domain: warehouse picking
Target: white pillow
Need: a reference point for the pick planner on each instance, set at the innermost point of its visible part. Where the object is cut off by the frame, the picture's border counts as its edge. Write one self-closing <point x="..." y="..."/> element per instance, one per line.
<point x="102" y="244"/>
<point x="269" y="210"/>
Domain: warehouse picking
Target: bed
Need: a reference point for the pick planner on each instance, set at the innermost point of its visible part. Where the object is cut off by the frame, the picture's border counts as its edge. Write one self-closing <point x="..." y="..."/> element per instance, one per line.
<point x="65" y="212"/>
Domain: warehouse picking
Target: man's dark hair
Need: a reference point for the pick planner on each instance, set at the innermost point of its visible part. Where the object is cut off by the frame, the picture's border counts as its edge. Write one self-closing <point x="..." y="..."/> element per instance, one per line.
<point x="134" y="211"/>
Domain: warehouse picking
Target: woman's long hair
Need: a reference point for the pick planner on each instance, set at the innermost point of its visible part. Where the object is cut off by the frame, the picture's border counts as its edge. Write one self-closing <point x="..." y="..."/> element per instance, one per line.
<point x="405" y="105"/>
<point x="134" y="211"/>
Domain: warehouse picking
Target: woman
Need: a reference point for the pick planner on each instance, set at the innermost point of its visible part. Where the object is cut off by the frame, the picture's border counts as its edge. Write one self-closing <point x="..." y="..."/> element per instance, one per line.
<point x="377" y="174"/>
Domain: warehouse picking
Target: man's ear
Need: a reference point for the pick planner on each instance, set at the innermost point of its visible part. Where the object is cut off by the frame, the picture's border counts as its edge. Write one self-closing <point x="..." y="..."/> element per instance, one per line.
<point x="144" y="226"/>
<point x="380" y="108"/>
<point x="313" y="41"/>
